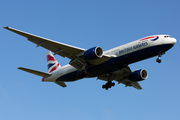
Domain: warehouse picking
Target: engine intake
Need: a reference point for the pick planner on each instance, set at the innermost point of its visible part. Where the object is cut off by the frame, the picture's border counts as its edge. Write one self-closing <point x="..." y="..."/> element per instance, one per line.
<point x="138" y="75"/>
<point x="93" y="53"/>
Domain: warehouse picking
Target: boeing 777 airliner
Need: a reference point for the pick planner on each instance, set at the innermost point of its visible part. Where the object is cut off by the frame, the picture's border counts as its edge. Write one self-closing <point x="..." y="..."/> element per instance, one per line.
<point x="108" y="65"/>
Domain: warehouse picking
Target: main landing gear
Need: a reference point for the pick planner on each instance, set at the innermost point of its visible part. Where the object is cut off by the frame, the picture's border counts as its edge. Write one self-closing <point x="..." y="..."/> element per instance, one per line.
<point x="159" y="55"/>
<point x="108" y="85"/>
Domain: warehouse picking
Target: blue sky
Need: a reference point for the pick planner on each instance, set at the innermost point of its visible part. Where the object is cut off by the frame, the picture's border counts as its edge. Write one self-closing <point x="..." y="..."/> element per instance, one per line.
<point x="85" y="24"/>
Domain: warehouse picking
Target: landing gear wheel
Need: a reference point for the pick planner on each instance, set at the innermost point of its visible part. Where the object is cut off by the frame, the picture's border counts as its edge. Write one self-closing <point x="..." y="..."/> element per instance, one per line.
<point x="108" y="85"/>
<point x="160" y="53"/>
<point x="113" y="84"/>
<point x="158" y="60"/>
<point x="104" y="86"/>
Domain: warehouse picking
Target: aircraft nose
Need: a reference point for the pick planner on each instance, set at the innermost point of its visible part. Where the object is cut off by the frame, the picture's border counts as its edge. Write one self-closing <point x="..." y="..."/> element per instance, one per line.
<point x="170" y="41"/>
<point x="173" y="41"/>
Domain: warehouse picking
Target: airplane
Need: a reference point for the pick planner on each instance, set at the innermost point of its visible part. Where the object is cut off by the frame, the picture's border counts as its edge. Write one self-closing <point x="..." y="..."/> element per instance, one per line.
<point x="110" y="65"/>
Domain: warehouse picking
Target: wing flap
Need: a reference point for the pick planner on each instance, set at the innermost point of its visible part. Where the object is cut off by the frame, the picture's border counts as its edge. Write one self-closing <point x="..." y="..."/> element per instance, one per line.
<point x="36" y="72"/>
<point x="136" y="85"/>
<point x="51" y="48"/>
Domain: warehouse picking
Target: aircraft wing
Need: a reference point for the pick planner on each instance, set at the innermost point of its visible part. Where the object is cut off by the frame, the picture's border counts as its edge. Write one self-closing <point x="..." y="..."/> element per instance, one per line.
<point x="56" y="47"/>
<point x="121" y="76"/>
<point x="64" y="50"/>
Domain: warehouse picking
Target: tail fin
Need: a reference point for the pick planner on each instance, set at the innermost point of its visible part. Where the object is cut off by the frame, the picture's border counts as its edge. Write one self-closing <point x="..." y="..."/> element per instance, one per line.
<point x="52" y="63"/>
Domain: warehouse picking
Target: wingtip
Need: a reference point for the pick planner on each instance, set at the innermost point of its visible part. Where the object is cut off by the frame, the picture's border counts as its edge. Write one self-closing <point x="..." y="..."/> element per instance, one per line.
<point x="6" y="27"/>
<point x="20" y="68"/>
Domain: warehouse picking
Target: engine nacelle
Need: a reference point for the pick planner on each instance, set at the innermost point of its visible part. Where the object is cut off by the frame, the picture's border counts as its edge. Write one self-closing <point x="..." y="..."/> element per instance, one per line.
<point x="138" y="75"/>
<point x="93" y="53"/>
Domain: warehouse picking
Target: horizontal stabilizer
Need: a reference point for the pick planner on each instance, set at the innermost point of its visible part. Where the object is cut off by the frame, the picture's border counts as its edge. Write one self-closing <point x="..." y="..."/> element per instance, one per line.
<point x="39" y="73"/>
<point x="62" y="84"/>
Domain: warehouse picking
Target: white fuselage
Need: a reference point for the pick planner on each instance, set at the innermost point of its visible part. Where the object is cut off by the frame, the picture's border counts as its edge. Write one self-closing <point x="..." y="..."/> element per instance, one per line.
<point x="123" y="50"/>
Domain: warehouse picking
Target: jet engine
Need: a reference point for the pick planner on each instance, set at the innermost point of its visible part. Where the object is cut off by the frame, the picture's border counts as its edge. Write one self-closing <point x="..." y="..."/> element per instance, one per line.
<point x="93" y="53"/>
<point x="138" y="75"/>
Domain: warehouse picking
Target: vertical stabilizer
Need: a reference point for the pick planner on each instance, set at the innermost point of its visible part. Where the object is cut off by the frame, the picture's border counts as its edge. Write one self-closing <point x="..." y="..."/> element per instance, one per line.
<point x="52" y="63"/>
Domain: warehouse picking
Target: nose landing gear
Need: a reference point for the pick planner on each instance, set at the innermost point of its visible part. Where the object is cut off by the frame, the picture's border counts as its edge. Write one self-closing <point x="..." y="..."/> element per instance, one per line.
<point x="158" y="59"/>
<point x="159" y="55"/>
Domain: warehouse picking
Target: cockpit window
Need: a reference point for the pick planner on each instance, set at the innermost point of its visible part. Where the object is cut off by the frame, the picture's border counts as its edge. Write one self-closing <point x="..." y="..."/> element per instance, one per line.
<point x="167" y="36"/>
